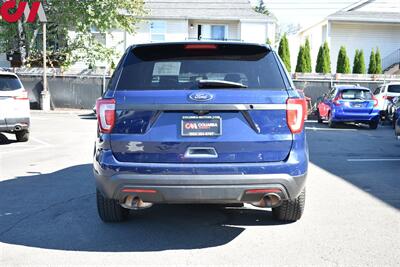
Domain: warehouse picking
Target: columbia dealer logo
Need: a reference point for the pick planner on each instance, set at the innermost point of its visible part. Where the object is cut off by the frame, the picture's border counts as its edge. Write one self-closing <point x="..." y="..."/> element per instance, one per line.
<point x="11" y="12"/>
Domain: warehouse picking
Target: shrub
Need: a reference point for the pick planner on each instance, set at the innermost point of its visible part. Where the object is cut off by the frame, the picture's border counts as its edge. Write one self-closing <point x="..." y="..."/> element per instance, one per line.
<point x="284" y="53"/>
<point x="343" y="62"/>
<point x="372" y="63"/>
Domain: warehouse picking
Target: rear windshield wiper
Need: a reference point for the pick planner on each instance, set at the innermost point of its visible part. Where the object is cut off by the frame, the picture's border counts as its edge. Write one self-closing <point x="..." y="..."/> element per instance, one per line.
<point x="219" y="84"/>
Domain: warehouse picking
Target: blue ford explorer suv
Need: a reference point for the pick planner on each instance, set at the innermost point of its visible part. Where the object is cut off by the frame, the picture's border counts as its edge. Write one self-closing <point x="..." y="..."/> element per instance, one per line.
<point x="196" y="122"/>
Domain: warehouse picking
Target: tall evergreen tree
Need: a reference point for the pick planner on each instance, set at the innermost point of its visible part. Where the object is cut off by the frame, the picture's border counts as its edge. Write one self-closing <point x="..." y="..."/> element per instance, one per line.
<point x="372" y="63"/>
<point x="301" y="60"/>
<point x="327" y="59"/>
<point x="378" y="61"/>
<point x="356" y="63"/>
<point x="359" y="62"/>
<point x="284" y="53"/>
<point x="307" y="56"/>
<point x="343" y="62"/>
<point x="319" y="68"/>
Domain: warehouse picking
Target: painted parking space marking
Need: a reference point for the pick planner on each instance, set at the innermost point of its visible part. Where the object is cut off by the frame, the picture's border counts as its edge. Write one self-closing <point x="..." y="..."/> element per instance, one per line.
<point x="373" y="160"/>
<point x="330" y="129"/>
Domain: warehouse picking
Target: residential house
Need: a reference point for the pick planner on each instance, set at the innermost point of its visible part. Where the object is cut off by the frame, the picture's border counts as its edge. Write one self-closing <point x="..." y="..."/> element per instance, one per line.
<point x="173" y="20"/>
<point x="366" y="25"/>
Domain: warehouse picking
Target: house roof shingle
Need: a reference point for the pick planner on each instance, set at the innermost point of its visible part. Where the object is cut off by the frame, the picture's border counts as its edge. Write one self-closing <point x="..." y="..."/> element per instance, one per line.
<point x="204" y="9"/>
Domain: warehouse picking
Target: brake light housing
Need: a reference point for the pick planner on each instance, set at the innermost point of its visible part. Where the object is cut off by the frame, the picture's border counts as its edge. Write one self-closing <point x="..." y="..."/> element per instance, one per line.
<point x="22" y="96"/>
<point x="105" y="109"/>
<point x="375" y="101"/>
<point x="336" y="100"/>
<point x="201" y="46"/>
<point x="295" y="114"/>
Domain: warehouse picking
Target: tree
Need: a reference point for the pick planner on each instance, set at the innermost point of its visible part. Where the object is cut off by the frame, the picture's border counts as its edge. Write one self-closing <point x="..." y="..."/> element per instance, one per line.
<point x="319" y="68"/>
<point x="378" y="62"/>
<point x="307" y="56"/>
<point x="284" y="53"/>
<point x="323" y="59"/>
<point x="327" y="58"/>
<point x="372" y="63"/>
<point x="261" y="8"/>
<point x="301" y="60"/>
<point x="359" y="62"/>
<point x="343" y="62"/>
<point x="78" y="16"/>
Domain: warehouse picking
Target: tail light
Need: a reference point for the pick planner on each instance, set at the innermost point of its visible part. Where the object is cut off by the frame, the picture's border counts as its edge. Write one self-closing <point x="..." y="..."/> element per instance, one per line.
<point x="105" y="109"/>
<point x="336" y="100"/>
<point x="375" y="101"/>
<point x="388" y="97"/>
<point x="296" y="108"/>
<point x="22" y="96"/>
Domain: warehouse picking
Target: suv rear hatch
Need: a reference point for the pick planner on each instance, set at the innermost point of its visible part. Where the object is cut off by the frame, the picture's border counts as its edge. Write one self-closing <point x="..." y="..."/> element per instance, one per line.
<point x="178" y="103"/>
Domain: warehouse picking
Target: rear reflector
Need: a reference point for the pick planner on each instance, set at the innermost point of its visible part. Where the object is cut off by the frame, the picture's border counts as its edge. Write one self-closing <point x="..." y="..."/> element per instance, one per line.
<point x="200" y="47"/>
<point x="263" y="191"/>
<point x="133" y="190"/>
<point x="296" y="108"/>
<point x="105" y="109"/>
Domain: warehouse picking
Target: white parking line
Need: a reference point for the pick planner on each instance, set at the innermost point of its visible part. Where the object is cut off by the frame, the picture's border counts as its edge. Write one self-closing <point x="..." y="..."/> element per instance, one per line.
<point x="330" y="129"/>
<point x="40" y="141"/>
<point x="373" y="160"/>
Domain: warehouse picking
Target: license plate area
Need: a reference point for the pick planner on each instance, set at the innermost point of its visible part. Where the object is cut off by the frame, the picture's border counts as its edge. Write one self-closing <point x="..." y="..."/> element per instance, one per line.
<point x="201" y="126"/>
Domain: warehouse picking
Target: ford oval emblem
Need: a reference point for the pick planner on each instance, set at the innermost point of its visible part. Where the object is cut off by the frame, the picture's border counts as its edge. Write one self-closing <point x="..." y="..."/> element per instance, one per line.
<point x="201" y="96"/>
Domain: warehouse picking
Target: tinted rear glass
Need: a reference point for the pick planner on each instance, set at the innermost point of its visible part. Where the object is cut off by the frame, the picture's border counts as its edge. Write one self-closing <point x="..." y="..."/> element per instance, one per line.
<point x="9" y="83"/>
<point x="394" y="88"/>
<point x="163" y="67"/>
<point x="356" y="94"/>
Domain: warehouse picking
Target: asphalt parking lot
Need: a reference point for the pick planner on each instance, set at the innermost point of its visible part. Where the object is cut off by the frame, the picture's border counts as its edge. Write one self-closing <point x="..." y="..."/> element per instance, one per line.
<point x="48" y="211"/>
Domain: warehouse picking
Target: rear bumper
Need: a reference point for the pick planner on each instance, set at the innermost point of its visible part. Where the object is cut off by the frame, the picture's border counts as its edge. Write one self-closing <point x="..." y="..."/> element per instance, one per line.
<point x="356" y="117"/>
<point x="199" y="188"/>
<point x="200" y="182"/>
<point x="15" y="124"/>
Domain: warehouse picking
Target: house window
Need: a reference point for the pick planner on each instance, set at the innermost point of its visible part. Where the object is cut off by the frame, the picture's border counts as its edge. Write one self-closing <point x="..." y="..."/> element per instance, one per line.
<point x="218" y="32"/>
<point x="158" y="30"/>
<point x="212" y="32"/>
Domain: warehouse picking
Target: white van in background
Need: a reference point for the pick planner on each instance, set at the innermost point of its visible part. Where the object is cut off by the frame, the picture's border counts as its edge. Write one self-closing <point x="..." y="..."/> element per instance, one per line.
<point x="14" y="107"/>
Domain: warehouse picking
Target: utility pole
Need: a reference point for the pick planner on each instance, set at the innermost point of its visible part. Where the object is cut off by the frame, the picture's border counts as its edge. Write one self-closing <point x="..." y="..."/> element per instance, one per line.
<point x="45" y="96"/>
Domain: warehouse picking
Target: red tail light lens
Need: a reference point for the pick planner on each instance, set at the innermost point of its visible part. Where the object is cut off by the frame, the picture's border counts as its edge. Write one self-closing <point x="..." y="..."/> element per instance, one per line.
<point x="296" y="108"/>
<point x="105" y="109"/>
<point x="336" y="100"/>
<point x="388" y="97"/>
<point x="22" y="96"/>
<point x="375" y="101"/>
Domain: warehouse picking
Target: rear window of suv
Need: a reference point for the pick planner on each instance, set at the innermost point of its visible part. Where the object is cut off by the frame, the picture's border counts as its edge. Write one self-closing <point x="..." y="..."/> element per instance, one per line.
<point x="182" y="66"/>
<point x="356" y="94"/>
<point x="394" y="88"/>
<point x="9" y="83"/>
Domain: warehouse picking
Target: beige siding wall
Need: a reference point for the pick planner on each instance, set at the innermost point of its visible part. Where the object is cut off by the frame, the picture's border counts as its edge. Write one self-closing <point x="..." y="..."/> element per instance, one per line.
<point x="365" y="36"/>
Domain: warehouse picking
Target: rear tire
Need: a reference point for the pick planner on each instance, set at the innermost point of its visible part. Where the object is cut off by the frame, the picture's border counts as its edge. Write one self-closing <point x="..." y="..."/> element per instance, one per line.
<point x="22" y="136"/>
<point x="331" y="124"/>
<point x="110" y="211"/>
<point x="373" y="125"/>
<point x="290" y="210"/>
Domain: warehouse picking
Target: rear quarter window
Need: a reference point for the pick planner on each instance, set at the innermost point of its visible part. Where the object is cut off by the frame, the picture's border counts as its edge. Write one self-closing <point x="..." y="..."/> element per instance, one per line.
<point x="394" y="88"/>
<point x="9" y="83"/>
<point x="171" y="66"/>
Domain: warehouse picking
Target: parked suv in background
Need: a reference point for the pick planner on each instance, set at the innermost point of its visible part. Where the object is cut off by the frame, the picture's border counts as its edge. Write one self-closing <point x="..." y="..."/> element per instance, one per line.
<point x="384" y="94"/>
<point x="198" y="122"/>
<point x="349" y="103"/>
<point x="14" y="107"/>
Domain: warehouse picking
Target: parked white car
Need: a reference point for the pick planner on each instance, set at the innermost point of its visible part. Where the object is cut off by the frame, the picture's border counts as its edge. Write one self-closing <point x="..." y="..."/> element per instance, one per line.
<point x="14" y="107"/>
<point x="386" y="92"/>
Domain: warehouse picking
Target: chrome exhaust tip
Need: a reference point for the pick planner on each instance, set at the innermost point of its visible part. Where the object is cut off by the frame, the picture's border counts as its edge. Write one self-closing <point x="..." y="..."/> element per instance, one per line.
<point x="135" y="203"/>
<point x="270" y="200"/>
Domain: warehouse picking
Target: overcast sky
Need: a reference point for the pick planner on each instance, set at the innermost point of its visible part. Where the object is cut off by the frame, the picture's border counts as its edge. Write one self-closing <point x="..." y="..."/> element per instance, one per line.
<point x="304" y="12"/>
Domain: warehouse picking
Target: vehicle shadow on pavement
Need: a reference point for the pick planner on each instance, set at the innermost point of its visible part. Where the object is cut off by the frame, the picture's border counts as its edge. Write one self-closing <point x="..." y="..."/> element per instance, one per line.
<point x="5" y="141"/>
<point x="88" y="116"/>
<point x="362" y="158"/>
<point x="58" y="211"/>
